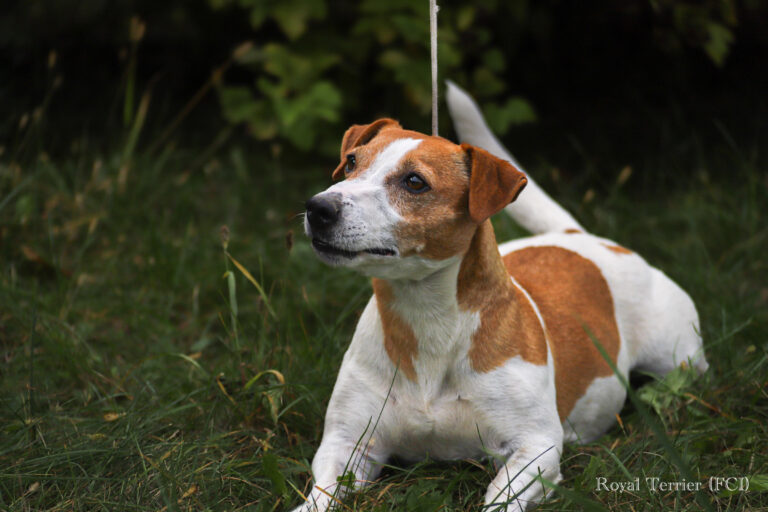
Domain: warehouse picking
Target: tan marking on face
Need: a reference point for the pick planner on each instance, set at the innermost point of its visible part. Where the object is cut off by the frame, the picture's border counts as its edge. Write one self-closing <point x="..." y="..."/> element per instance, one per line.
<point x="572" y="231"/>
<point x="617" y="249"/>
<point x="435" y="224"/>
<point x="571" y="293"/>
<point x="399" y="340"/>
<point x="509" y="325"/>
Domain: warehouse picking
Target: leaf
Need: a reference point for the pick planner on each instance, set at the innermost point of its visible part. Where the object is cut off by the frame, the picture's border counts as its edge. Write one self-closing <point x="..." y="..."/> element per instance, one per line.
<point x="486" y="82"/>
<point x="719" y="42"/>
<point x="271" y="471"/>
<point x="113" y="416"/>
<point x="295" y="71"/>
<point x="255" y="283"/>
<point x="238" y="103"/>
<point x="293" y="15"/>
<point x="494" y="60"/>
<point x="424" y="496"/>
<point x="258" y="14"/>
<point x="465" y="17"/>
<point x="301" y="116"/>
<point x="347" y="479"/>
<point x="189" y="492"/>
<point x="515" y="111"/>
<point x="256" y="377"/>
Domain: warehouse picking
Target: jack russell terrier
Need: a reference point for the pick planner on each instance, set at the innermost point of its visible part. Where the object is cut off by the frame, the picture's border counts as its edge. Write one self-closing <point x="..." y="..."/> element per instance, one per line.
<point x="468" y="348"/>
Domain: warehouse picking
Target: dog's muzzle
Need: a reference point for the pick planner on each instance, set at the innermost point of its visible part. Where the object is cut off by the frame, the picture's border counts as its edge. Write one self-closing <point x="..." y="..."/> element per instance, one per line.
<point x="323" y="211"/>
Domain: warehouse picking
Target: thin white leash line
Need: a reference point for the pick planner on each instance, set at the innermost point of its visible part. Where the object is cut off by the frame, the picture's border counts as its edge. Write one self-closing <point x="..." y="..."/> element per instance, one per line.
<point x="433" y="55"/>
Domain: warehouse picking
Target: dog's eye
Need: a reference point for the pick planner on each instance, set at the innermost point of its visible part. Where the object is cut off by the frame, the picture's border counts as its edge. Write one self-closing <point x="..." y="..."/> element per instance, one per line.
<point x="415" y="183"/>
<point x="350" y="163"/>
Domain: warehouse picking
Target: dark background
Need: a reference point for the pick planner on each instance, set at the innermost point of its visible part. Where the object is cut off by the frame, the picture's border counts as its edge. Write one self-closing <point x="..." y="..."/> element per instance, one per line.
<point x="616" y="79"/>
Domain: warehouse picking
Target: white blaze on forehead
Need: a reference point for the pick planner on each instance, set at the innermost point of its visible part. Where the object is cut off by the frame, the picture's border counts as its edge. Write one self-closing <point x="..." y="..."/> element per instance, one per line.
<point x="387" y="160"/>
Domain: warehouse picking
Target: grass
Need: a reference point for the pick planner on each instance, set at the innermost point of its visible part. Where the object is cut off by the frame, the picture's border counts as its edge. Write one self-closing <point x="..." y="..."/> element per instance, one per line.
<point x="141" y="370"/>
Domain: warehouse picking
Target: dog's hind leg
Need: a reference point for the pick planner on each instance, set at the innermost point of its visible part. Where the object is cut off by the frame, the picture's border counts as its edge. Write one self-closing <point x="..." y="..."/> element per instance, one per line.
<point x="670" y="335"/>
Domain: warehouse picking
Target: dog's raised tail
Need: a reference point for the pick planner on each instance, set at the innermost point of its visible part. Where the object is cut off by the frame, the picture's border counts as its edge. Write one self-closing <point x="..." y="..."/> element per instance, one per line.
<point x="534" y="209"/>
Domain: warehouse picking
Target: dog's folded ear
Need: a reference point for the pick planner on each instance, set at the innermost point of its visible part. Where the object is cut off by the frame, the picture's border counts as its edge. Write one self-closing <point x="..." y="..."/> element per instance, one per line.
<point x="358" y="135"/>
<point x="493" y="183"/>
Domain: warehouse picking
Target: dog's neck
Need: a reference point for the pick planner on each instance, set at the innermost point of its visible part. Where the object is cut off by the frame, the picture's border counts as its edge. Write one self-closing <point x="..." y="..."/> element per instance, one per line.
<point x="430" y="317"/>
<point x="482" y="277"/>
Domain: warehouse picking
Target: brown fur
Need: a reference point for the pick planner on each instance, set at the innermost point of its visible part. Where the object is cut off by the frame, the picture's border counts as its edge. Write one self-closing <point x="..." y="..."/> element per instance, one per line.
<point x="399" y="341"/>
<point x="359" y="135"/>
<point x="435" y="224"/>
<point x="509" y="325"/>
<point x="617" y="249"/>
<point x="494" y="183"/>
<point x="571" y="294"/>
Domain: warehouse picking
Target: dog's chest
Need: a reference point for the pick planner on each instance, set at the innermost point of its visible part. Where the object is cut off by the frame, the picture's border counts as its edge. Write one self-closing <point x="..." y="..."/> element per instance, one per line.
<point x="442" y="425"/>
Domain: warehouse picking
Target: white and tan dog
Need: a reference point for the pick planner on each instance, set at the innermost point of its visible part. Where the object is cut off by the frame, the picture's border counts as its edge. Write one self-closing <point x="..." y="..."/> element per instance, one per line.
<point x="468" y="348"/>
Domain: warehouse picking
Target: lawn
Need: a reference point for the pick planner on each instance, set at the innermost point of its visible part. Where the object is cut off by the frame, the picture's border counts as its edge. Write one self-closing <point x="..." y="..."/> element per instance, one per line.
<point x="140" y="368"/>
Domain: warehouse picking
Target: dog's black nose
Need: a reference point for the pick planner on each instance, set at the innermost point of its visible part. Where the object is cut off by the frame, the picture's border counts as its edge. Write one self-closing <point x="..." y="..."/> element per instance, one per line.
<point x="323" y="210"/>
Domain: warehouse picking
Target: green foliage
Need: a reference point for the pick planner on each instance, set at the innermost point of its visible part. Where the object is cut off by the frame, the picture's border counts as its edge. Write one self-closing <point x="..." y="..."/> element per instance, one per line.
<point x="315" y="66"/>
<point x="294" y="101"/>
<point x="707" y="25"/>
<point x="307" y="82"/>
<point x="516" y="110"/>
<point x="272" y="471"/>
<point x="310" y="78"/>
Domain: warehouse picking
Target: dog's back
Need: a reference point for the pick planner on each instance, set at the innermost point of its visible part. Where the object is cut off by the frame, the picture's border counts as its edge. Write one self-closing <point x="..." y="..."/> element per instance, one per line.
<point x="644" y="320"/>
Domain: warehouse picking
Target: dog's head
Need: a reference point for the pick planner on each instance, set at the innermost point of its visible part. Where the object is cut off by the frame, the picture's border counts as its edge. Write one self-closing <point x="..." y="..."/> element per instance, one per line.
<point x="408" y="204"/>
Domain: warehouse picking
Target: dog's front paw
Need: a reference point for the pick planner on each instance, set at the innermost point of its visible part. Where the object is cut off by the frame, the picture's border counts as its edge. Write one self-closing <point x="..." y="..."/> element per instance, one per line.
<point x="504" y="506"/>
<point x="517" y="496"/>
<point x="315" y="503"/>
<point x="306" y="507"/>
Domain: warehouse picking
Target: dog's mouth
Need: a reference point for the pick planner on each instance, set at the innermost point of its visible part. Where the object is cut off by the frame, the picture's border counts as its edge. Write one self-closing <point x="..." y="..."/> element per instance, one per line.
<point x="328" y="249"/>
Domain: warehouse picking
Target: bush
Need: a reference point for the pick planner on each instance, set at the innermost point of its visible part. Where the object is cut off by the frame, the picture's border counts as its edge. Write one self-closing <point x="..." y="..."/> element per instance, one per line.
<point x="309" y="76"/>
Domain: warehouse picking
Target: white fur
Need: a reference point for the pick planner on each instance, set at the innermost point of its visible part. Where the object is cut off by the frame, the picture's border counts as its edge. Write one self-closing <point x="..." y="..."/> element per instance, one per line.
<point x="450" y="411"/>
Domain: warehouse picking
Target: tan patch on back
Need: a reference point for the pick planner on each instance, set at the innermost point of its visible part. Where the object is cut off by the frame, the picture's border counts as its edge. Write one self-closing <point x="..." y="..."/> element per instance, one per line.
<point x="399" y="340"/>
<point x="617" y="249"/>
<point x="509" y="325"/>
<point x="572" y="231"/>
<point x="571" y="293"/>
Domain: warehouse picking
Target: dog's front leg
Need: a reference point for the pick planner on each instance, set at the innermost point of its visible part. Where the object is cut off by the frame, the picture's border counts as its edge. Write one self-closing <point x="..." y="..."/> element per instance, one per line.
<point x="351" y="453"/>
<point x="517" y="485"/>
<point x="337" y="466"/>
<point x="523" y="414"/>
